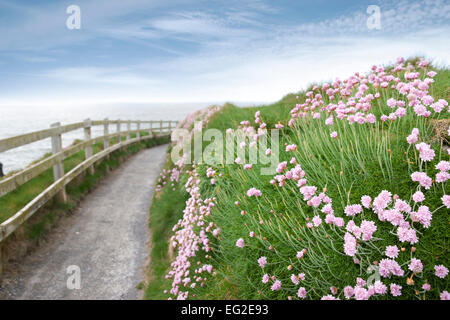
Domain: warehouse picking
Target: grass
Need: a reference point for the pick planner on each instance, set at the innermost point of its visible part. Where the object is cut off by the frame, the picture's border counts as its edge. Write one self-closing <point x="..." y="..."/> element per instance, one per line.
<point x="17" y="199"/>
<point x="363" y="160"/>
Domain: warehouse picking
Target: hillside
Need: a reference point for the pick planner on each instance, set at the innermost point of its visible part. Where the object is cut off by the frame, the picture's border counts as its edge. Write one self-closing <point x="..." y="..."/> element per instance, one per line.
<point x="357" y="208"/>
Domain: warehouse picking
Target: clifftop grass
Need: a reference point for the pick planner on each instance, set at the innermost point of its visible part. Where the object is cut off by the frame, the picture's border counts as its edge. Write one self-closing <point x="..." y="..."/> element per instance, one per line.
<point x="362" y="160"/>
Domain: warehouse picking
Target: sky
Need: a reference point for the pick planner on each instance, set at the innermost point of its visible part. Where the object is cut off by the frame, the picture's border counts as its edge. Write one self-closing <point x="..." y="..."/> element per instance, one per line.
<point x="153" y="51"/>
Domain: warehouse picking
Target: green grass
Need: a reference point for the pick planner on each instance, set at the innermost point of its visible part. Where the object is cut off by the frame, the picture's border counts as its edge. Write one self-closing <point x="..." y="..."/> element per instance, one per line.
<point x="16" y="200"/>
<point x="363" y="160"/>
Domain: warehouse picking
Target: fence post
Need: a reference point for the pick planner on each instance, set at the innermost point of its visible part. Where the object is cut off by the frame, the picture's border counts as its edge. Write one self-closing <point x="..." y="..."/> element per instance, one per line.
<point x="160" y="127"/>
<point x="118" y="131"/>
<point x="87" y="136"/>
<point x="106" y="134"/>
<point x="58" y="168"/>
<point x="138" y="133"/>
<point x="128" y="129"/>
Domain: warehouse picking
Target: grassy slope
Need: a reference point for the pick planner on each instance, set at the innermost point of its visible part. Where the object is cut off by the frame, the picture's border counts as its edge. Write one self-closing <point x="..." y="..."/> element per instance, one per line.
<point x="360" y="162"/>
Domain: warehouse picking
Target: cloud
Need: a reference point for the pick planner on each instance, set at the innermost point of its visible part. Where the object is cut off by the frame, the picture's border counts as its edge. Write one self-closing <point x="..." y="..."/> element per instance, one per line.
<point x="219" y="52"/>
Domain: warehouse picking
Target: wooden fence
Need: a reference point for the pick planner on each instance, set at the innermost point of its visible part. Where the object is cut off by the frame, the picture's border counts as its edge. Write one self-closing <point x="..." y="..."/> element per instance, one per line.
<point x="61" y="179"/>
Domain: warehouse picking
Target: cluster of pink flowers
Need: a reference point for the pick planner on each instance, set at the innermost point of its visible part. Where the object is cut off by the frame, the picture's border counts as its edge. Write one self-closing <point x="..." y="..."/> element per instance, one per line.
<point x="189" y="241"/>
<point x="253" y="192"/>
<point x="422" y="178"/>
<point x="443" y="175"/>
<point x="425" y="151"/>
<point x="172" y="175"/>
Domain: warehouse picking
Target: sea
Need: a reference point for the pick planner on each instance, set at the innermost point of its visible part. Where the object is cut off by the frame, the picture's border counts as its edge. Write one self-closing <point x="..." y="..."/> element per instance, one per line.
<point x="16" y="120"/>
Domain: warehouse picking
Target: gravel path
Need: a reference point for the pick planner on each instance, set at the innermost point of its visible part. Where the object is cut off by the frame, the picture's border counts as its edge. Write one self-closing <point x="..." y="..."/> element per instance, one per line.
<point x="106" y="237"/>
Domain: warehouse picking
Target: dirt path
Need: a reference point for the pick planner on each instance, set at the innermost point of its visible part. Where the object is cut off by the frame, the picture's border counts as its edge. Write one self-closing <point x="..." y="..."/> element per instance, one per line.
<point x="106" y="237"/>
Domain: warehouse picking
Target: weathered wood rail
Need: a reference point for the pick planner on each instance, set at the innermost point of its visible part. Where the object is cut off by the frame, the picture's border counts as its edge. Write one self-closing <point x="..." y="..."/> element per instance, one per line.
<point x="61" y="179"/>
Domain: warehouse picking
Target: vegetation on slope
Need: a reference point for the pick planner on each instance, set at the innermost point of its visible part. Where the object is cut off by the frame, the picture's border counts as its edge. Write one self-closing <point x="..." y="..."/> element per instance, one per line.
<point x="285" y="238"/>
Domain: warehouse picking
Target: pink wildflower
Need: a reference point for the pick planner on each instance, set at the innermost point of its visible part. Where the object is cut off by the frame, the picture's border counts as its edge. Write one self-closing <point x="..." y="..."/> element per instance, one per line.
<point x="254" y="192"/>
<point x="301" y="293"/>
<point x="446" y="200"/>
<point x="415" y="266"/>
<point x="392" y="251"/>
<point x="276" y="285"/>
<point x="440" y="271"/>
<point x="396" y="290"/>
<point x="348" y="292"/>
<point x="333" y="134"/>
<point x="418" y="196"/>
<point x="349" y="244"/>
<point x="240" y="243"/>
<point x="366" y="201"/>
<point x="262" y="261"/>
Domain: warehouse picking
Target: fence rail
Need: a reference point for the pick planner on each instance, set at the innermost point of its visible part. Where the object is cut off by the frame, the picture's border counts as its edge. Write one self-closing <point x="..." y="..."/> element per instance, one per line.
<point x="61" y="179"/>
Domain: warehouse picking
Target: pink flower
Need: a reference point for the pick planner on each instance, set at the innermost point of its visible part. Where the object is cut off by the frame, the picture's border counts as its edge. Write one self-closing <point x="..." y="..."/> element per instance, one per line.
<point x="423" y="215"/>
<point x="276" y="285"/>
<point x="361" y="293"/>
<point x="240" y="243"/>
<point x="446" y="200"/>
<point x="281" y="167"/>
<point x="392" y="252"/>
<point x="368" y="228"/>
<point x="415" y="266"/>
<point x="396" y="290"/>
<point x="422" y="178"/>
<point x="425" y="151"/>
<point x="349" y="244"/>
<point x="317" y="221"/>
<point x="301" y="293"/>
<point x="418" y="196"/>
<point x="440" y="271"/>
<point x="445" y="295"/>
<point x="262" y="261"/>
<point x="254" y="192"/>
<point x="379" y="287"/>
<point x="348" y="292"/>
<point x="333" y="134"/>
<point x="388" y="267"/>
<point x="442" y="177"/>
<point x="300" y="254"/>
<point x="366" y="201"/>
<point x="294" y="279"/>
<point x="407" y="235"/>
<point x="248" y="166"/>
<point x="265" y="278"/>
<point x="426" y="287"/>
<point x="443" y="166"/>
<point x="291" y="147"/>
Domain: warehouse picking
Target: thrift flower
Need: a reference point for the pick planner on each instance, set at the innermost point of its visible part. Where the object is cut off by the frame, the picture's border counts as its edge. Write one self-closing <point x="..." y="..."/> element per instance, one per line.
<point x="440" y="271"/>
<point x="262" y="261"/>
<point x="276" y="285"/>
<point x="301" y="293"/>
<point x="240" y="243"/>
<point x="396" y="290"/>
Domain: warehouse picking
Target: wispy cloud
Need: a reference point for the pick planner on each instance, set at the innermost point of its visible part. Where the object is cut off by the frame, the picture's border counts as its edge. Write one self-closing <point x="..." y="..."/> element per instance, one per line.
<point x="196" y="51"/>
